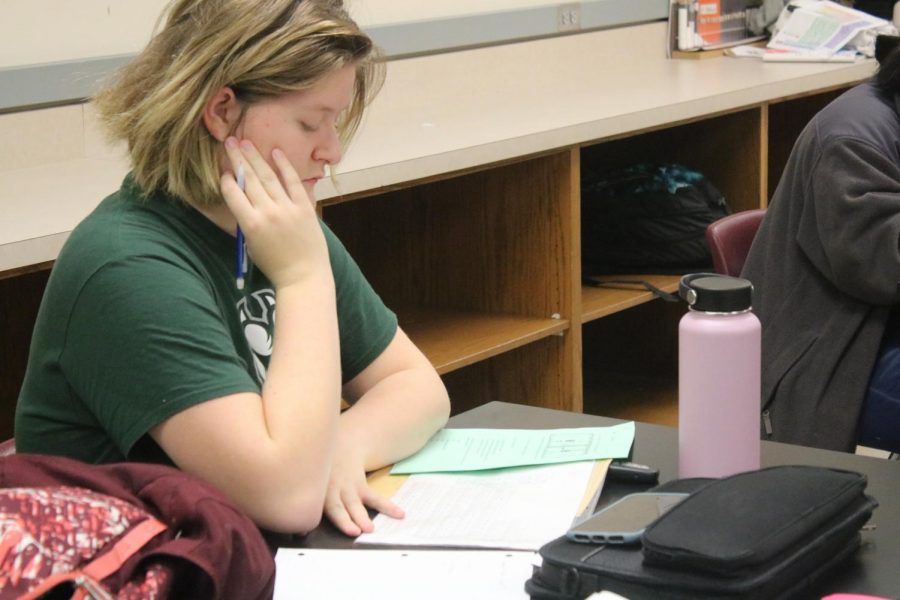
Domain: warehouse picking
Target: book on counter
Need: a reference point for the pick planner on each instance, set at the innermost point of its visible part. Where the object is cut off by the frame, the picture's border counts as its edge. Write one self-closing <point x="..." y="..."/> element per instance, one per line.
<point x="703" y="28"/>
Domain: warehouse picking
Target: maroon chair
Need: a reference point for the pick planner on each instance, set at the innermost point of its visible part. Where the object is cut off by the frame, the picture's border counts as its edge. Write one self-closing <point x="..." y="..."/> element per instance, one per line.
<point x="730" y="237"/>
<point x="8" y="447"/>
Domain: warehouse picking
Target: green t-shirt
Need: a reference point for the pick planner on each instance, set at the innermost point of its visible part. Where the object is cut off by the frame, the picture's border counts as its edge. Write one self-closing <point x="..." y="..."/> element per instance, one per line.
<point x="142" y="319"/>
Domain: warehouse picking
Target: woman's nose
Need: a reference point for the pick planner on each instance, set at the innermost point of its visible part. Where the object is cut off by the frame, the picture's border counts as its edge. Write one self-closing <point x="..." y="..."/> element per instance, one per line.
<point x="329" y="147"/>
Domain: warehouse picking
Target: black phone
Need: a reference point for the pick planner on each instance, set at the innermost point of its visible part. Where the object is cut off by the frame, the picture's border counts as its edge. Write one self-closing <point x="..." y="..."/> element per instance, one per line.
<point x="627" y="471"/>
<point x="624" y="521"/>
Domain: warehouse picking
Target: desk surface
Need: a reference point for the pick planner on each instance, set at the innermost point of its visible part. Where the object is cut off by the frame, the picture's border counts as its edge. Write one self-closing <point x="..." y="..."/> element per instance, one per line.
<point x="436" y="115"/>
<point x="875" y="569"/>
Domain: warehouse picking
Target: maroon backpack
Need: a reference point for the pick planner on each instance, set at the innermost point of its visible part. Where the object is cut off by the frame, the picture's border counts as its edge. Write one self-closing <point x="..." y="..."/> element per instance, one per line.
<point x="125" y="530"/>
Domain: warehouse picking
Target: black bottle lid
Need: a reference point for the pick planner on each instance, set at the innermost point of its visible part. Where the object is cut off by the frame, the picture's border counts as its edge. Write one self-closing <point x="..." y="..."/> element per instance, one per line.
<point x="711" y="292"/>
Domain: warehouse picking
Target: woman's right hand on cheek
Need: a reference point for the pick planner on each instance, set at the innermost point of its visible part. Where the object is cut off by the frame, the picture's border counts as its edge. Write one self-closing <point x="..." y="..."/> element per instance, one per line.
<point x="283" y="234"/>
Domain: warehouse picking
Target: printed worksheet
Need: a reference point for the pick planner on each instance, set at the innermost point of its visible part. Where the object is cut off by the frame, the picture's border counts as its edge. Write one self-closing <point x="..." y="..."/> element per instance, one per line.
<point x="477" y="449"/>
<point x="520" y="508"/>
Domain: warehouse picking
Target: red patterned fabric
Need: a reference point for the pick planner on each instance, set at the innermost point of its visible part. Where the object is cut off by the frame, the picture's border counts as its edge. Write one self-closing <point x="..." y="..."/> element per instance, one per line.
<point x="47" y="531"/>
<point x="57" y="515"/>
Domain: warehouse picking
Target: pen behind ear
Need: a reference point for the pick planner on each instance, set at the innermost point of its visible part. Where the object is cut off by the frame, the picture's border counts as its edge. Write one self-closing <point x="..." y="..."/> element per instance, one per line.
<point x="241" y="246"/>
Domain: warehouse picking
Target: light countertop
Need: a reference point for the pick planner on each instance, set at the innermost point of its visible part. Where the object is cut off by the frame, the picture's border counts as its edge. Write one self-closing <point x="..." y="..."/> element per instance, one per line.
<point x="448" y="112"/>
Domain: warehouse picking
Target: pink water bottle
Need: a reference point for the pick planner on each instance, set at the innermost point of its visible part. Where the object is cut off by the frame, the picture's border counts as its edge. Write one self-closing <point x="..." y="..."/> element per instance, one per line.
<point x="718" y="377"/>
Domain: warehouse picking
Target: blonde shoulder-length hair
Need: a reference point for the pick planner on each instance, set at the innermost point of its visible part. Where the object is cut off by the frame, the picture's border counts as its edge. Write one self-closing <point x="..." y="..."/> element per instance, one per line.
<point x="260" y="48"/>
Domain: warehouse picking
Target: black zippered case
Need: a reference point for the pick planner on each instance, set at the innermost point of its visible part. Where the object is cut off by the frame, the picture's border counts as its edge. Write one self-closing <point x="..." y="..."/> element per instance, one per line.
<point x="762" y="534"/>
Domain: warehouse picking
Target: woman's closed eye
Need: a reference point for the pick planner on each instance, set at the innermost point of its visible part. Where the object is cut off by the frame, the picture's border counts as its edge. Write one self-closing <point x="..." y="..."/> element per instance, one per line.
<point x="308" y="128"/>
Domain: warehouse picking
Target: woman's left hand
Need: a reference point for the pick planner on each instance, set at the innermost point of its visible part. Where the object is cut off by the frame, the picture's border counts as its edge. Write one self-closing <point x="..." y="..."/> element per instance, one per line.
<point x="349" y="494"/>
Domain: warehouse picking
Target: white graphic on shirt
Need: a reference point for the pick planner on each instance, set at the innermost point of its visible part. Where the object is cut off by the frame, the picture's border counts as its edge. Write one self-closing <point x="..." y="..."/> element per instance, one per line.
<point x="257" y="314"/>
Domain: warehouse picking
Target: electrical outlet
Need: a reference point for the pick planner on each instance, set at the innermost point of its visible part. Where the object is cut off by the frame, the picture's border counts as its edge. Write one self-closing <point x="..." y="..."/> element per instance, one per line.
<point x="568" y="17"/>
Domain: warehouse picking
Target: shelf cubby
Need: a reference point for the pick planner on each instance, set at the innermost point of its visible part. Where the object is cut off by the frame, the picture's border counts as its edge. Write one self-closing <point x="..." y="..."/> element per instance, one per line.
<point x="543" y="373"/>
<point x="477" y="264"/>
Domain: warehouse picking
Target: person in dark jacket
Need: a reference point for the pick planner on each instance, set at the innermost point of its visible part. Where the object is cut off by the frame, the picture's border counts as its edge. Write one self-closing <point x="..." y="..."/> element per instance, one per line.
<point x="825" y="265"/>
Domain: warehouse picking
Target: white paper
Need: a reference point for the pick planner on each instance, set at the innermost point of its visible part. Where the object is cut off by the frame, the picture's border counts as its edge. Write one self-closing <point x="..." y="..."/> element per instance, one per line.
<point x="775" y="55"/>
<point x="402" y="574"/>
<point x="846" y="56"/>
<point x="822" y="27"/>
<point x="746" y="51"/>
<point x="520" y="508"/>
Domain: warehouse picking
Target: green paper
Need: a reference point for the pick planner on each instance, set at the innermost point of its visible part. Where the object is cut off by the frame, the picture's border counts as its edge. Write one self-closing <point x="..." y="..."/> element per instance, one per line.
<point x="477" y="449"/>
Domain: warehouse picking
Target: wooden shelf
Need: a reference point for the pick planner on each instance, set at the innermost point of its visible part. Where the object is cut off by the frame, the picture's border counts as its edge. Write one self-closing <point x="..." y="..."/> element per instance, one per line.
<point x="452" y="339"/>
<point x="646" y="399"/>
<point x="598" y="302"/>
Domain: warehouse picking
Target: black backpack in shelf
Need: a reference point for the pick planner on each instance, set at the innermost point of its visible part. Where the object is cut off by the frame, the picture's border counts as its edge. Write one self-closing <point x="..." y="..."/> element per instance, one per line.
<point x="647" y="218"/>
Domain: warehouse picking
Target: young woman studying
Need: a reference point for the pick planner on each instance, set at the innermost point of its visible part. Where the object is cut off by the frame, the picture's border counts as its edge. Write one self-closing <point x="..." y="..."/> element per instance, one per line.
<point x="149" y="347"/>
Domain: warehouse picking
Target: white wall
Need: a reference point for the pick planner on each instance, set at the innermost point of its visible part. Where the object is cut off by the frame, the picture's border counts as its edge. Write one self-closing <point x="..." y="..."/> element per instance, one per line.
<point x="381" y="12"/>
<point x="41" y="31"/>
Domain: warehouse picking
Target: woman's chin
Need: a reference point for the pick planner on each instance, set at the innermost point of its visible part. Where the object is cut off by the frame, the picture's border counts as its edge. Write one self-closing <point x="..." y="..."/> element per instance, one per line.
<point x="310" y="187"/>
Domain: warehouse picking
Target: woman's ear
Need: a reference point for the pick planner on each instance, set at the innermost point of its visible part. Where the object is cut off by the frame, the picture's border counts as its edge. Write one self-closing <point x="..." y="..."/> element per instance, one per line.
<point x="222" y="113"/>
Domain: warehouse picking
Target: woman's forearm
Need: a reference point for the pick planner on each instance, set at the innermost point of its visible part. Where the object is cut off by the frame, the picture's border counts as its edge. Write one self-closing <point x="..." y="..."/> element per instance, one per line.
<point x="285" y="490"/>
<point x="395" y="417"/>
<point x="301" y="395"/>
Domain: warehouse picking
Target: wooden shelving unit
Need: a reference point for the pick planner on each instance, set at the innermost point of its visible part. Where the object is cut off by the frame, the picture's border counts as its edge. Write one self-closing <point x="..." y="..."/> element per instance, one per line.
<point x="463" y="209"/>
<point x="485" y="262"/>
